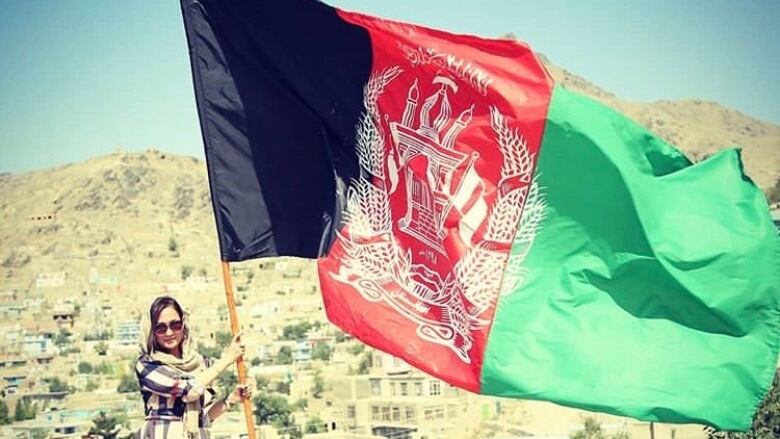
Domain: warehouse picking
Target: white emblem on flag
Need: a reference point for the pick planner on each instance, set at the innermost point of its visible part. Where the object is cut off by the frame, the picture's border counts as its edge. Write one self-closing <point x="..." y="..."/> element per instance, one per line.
<point x="441" y="184"/>
<point x="429" y="145"/>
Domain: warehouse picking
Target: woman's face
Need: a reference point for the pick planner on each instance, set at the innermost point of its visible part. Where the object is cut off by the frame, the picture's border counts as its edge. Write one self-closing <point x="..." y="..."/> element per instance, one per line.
<point x="169" y="330"/>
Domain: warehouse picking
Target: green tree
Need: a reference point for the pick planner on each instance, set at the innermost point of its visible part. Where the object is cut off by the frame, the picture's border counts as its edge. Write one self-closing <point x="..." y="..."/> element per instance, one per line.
<point x="223" y="338"/>
<point x="773" y="194"/>
<point x="5" y="415"/>
<point x="286" y="426"/>
<point x="261" y="383"/>
<point x="105" y="426"/>
<point x="62" y="338"/>
<point x="296" y="332"/>
<point x="104" y="368"/>
<point x="101" y="348"/>
<point x="321" y="351"/>
<point x="282" y="387"/>
<point x="84" y="367"/>
<point x="284" y="356"/>
<point x="127" y="384"/>
<point x="271" y="409"/>
<point x="57" y="385"/>
<point x="357" y="349"/>
<point x="186" y="271"/>
<point x="70" y="350"/>
<point x="365" y="364"/>
<point x="591" y="430"/>
<point x="300" y="405"/>
<point x="227" y="381"/>
<point x="24" y="410"/>
<point x="209" y="351"/>
<point x="319" y="385"/>
<point x="315" y="425"/>
<point x="766" y="421"/>
<point x="100" y="335"/>
<point x="256" y="361"/>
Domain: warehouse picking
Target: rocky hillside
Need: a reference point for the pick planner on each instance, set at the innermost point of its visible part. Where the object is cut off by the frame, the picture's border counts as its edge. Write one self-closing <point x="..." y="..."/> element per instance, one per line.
<point x="699" y="128"/>
<point x="147" y="216"/>
<point x="116" y="215"/>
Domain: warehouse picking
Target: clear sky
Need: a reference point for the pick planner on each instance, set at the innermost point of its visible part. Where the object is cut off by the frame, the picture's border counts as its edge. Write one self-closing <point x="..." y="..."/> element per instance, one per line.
<point x="80" y="77"/>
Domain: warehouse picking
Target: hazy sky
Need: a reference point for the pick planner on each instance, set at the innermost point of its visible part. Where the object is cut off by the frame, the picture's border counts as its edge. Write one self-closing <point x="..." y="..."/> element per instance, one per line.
<point x="79" y="77"/>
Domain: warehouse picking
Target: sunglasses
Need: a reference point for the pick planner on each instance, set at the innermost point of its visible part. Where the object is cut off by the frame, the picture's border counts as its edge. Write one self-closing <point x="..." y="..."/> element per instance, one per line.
<point x="162" y="328"/>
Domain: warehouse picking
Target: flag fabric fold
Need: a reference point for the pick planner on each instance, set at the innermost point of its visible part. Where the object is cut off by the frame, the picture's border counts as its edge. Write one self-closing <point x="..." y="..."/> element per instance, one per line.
<point x="277" y="109"/>
<point x="507" y="236"/>
<point x="652" y="283"/>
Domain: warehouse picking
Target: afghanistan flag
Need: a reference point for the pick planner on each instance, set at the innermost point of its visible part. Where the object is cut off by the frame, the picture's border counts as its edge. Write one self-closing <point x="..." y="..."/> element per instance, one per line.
<point x="490" y="228"/>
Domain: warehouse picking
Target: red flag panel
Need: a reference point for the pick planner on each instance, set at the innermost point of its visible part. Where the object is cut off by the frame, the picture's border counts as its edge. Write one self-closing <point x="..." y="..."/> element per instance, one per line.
<point x="447" y="144"/>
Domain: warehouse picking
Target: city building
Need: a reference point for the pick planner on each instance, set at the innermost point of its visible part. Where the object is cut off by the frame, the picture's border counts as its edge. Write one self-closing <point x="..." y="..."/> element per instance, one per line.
<point x="50" y="280"/>
<point x="302" y="351"/>
<point x="396" y="401"/>
<point x="11" y="310"/>
<point x="64" y="316"/>
<point x="127" y="333"/>
<point x="12" y="380"/>
<point x="37" y="344"/>
<point x="265" y="309"/>
<point x="34" y="429"/>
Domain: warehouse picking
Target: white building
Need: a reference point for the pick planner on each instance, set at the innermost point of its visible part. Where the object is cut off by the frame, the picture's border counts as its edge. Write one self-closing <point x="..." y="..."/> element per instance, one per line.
<point x="127" y="333"/>
<point x="50" y="280"/>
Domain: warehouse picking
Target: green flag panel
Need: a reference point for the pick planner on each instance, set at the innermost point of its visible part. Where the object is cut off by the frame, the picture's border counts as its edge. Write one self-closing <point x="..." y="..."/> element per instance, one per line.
<point x="640" y="284"/>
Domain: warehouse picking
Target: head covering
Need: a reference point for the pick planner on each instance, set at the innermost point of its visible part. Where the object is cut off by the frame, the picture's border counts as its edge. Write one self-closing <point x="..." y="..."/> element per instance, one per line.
<point x="191" y="361"/>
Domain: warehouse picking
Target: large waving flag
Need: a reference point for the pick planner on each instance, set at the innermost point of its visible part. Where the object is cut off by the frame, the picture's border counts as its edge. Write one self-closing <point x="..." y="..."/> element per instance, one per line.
<point x="488" y="227"/>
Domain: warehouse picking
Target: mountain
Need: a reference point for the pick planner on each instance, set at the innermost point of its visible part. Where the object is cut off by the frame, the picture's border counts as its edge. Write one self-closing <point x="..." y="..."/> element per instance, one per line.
<point x="148" y="215"/>
<point x="131" y="215"/>
<point x="698" y="128"/>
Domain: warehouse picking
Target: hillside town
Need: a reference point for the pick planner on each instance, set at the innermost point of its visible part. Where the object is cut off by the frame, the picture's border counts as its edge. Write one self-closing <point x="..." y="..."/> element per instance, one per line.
<point x="86" y="247"/>
<point x="66" y="363"/>
<point x="67" y="360"/>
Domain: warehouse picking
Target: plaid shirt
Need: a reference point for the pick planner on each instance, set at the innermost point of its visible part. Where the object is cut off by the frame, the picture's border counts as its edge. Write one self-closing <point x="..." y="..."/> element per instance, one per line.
<point x="163" y="389"/>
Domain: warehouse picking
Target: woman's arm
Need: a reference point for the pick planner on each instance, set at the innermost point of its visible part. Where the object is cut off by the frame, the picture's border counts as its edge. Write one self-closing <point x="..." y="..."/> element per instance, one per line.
<point x="217" y="409"/>
<point x="166" y="381"/>
<point x="171" y="382"/>
<point x="233" y="352"/>
<point x="242" y="391"/>
<point x="208" y="375"/>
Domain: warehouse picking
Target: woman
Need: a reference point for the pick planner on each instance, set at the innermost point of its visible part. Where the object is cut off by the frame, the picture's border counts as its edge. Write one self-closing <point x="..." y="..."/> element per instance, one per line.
<point x="175" y="379"/>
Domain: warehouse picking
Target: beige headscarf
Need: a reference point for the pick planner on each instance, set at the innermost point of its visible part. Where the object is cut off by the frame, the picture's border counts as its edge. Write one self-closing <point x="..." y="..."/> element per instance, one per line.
<point x="191" y="361"/>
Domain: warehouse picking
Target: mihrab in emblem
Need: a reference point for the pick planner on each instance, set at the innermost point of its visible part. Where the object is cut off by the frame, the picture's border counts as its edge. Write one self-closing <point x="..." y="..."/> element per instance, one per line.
<point x="442" y="188"/>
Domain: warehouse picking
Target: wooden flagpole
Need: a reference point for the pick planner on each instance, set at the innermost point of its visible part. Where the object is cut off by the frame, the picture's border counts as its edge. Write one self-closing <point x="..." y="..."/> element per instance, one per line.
<point x="231" y="303"/>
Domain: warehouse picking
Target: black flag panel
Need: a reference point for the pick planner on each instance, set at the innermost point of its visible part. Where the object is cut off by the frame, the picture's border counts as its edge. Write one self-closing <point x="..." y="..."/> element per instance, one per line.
<point x="278" y="86"/>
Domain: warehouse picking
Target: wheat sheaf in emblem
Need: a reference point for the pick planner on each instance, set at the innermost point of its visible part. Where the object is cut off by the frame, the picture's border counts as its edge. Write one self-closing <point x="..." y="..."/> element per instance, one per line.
<point x="446" y="307"/>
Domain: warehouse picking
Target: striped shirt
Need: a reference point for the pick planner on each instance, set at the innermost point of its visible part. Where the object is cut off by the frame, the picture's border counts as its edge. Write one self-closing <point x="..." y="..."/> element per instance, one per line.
<point x="164" y="389"/>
